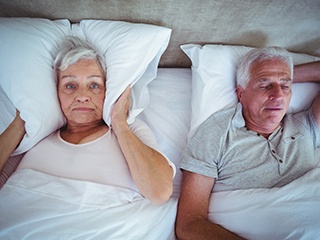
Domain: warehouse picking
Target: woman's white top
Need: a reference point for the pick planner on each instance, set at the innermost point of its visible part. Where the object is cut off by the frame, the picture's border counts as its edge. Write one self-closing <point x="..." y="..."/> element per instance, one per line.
<point x="100" y="160"/>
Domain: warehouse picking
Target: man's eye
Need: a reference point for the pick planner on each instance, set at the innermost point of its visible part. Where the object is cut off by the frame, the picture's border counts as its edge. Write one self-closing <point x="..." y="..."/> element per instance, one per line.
<point x="285" y="87"/>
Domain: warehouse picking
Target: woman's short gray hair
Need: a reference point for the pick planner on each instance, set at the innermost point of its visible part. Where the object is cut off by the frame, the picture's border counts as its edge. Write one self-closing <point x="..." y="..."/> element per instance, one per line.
<point x="74" y="49"/>
<point x="261" y="55"/>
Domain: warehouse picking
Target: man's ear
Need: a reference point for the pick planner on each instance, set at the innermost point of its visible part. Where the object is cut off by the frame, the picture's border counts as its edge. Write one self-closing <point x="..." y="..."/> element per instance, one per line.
<point x="239" y="92"/>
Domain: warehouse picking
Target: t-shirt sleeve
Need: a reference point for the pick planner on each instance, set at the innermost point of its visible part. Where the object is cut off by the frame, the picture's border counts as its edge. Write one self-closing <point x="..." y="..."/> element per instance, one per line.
<point x="307" y="119"/>
<point x="314" y="128"/>
<point x="202" y="151"/>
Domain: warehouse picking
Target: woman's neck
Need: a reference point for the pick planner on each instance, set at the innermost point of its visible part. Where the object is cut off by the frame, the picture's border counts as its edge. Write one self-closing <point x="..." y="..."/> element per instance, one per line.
<point x="83" y="133"/>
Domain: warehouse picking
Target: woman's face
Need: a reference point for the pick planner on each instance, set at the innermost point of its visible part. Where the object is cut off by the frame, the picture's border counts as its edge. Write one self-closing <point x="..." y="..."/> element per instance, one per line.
<point x="81" y="91"/>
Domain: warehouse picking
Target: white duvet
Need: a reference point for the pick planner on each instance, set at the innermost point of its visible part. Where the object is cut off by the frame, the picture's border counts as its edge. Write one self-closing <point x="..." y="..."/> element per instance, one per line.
<point x="289" y="212"/>
<point x="48" y="207"/>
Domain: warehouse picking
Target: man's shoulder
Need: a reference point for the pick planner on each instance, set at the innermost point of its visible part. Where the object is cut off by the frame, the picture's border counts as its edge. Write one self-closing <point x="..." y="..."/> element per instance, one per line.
<point x="297" y="118"/>
<point x="222" y="117"/>
<point x="218" y="122"/>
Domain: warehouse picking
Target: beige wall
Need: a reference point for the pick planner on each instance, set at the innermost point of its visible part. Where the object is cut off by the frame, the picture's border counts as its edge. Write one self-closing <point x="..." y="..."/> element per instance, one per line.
<point x="293" y="24"/>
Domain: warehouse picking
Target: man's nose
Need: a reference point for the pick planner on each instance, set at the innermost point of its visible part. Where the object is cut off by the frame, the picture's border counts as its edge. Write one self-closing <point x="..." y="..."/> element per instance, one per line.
<point x="276" y="93"/>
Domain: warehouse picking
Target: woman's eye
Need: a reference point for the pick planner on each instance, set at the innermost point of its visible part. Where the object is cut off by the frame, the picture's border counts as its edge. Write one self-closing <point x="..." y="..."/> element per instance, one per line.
<point x="70" y="86"/>
<point x="95" y="86"/>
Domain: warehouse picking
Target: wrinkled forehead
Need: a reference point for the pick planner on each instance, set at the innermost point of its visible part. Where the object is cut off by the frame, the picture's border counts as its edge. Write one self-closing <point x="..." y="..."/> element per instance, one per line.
<point x="270" y="68"/>
<point x="84" y="68"/>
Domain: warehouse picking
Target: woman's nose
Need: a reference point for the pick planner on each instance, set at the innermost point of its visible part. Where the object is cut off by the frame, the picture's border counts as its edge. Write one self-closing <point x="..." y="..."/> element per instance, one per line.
<point x="82" y="96"/>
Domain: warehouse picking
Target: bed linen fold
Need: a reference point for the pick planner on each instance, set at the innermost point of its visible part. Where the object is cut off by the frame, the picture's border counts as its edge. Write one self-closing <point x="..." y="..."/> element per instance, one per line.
<point x="288" y="212"/>
<point x="34" y="205"/>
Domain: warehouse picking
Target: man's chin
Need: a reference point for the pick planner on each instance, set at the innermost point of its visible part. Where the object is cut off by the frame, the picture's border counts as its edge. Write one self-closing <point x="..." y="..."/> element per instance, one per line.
<point x="275" y="119"/>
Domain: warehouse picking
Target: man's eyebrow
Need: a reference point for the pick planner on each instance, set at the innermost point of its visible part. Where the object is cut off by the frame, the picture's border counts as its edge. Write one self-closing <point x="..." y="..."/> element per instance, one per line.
<point x="262" y="80"/>
<point x="286" y="80"/>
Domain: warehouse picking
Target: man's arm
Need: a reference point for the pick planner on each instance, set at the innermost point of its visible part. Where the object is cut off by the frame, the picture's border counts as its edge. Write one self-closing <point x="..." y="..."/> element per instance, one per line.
<point x="192" y="217"/>
<point x="10" y="139"/>
<point x="309" y="72"/>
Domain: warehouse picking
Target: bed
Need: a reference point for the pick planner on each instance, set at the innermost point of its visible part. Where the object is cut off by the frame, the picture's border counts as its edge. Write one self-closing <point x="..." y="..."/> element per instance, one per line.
<point x="174" y="84"/>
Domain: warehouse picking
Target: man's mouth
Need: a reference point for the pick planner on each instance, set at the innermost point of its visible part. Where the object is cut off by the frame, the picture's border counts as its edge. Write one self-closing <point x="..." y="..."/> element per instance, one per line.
<point x="274" y="108"/>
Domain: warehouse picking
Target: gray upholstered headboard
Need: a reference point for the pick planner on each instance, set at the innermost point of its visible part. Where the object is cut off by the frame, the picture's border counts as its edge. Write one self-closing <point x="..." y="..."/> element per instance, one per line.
<point x="293" y="24"/>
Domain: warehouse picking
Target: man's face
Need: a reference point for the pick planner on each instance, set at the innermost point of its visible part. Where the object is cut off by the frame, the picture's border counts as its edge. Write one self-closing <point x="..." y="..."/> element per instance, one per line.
<point x="81" y="91"/>
<point x="266" y="98"/>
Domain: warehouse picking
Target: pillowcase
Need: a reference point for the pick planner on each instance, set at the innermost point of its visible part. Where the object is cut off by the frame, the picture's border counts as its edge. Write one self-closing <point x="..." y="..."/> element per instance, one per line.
<point x="28" y="47"/>
<point x="27" y="80"/>
<point x="132" y="52"/>
<point x="214" y="80"/>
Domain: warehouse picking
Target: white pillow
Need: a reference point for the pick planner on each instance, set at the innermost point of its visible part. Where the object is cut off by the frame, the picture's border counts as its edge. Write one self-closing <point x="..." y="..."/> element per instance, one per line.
<point x="214" y="80"/>
<point x="27" y="50"/>
<point x="132" y="52"/>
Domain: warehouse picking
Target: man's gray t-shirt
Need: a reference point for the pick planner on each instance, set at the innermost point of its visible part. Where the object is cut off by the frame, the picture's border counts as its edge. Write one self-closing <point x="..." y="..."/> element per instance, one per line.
<point x="238" y="158"/>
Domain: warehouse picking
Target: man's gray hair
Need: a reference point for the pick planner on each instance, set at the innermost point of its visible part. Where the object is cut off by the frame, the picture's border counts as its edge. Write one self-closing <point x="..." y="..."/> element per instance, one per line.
<point x="261" y="55"/>
<point x="74" y="49"/>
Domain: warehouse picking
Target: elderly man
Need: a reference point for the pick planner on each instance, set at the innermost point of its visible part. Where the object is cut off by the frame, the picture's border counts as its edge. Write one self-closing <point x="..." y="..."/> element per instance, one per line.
<point x="253" y="145"/>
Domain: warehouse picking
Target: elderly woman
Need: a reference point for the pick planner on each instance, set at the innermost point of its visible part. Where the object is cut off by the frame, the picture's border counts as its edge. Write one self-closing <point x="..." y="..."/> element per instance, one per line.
<point x="86" y="148"/>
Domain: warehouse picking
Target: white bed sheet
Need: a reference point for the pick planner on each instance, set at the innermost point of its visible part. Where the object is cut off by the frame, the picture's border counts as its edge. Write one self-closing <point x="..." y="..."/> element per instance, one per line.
<point x="48" y="207"/>
<point x="289" y="212"/>
<point x="169" y="112"/>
